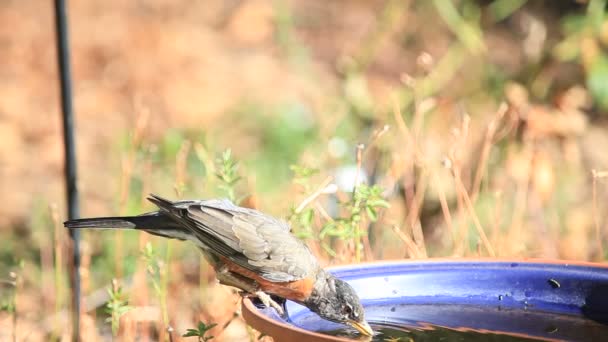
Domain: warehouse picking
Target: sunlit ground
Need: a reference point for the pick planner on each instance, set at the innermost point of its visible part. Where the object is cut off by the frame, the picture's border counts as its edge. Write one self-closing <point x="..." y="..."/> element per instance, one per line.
<point x="477" y="128"/>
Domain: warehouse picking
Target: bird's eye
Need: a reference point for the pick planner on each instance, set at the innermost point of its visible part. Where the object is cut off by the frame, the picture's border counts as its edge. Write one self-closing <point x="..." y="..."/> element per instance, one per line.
<point x="348" y="310"/>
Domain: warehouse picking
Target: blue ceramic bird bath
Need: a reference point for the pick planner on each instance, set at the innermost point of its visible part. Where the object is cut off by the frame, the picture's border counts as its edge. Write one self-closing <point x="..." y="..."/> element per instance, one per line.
<point x="465" y="300"/>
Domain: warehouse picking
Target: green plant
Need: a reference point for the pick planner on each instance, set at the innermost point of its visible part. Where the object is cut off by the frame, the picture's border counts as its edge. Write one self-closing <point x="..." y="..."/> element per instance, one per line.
<point x="157" y="272"/>
<point x="200" y="331"/>
<point x="302" y="175"/>
<point x="585" y="42"/>
<point x="227" y="174"/>
<point x="117" y="306"/>
<point x="466" y="28"/>
<point x="303" y="222"/>
<point x="9" y="304"/>
<point x="302" y="218"/>
<point x="365" y="202"/>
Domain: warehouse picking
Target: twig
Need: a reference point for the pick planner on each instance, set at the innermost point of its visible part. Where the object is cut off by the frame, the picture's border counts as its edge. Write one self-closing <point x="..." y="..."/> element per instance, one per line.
<point x="375" y="137"/>
<point x="141" y="123"/>
<point x="360" y="149"/>
<point x="598" y="234"/>
<point x="367" y="247"/>
<point x="521" y="194"/>
<point x="58" y="245"/>
<point x="445" y="208"/>
<point x="357" y="236"/>
<point x="170" y="333"/>
<point x="418" y="235"/>
<point x="413" y="218"/>
<point x="485" y="151"/>
<point x="407" y="136"/>
<point x="478" y="226"/>
<point x="181" y="164"/>
<point x="14" y="282"/>
<point x="323" y="212"/>
<point x="414" y="209"/>
<point x="454" y="163"/>
<point x="463" y="231"/>
<point x="497" y="221"/>
<point x="411" y="246"/>
<point x="314" y="195"/>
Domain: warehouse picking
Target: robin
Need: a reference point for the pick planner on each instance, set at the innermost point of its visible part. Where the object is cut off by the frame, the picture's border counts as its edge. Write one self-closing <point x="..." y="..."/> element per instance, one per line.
<point x="250" y="251"/>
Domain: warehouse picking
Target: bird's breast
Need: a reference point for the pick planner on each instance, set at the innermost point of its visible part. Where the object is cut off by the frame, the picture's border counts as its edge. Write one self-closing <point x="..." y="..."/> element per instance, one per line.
<point x="297" y="290"/>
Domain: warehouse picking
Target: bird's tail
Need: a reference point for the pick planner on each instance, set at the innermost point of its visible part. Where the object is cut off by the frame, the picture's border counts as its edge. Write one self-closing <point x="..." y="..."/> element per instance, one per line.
<point x="103" y="222"/>
<point x="155" y="223"/>
<point x="164" y="205"/>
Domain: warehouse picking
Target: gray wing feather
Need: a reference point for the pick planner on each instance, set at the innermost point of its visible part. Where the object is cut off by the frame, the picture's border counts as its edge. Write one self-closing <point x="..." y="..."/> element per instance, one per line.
<point x="257" y="241"/>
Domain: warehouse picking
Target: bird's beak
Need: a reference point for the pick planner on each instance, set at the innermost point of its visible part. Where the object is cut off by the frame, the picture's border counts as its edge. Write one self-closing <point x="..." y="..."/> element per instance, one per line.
<point x="362" y="327"/>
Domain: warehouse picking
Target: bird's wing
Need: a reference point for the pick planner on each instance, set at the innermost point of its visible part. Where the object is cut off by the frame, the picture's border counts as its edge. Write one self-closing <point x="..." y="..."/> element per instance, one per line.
<point x="253" y="240"/>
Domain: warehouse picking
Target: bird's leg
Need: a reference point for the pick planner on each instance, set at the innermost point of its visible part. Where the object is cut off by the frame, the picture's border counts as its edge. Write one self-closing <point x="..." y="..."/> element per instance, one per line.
<point x="231" y="279"/>
<point x="226" y="277"/>
<point x="269" y="302"/>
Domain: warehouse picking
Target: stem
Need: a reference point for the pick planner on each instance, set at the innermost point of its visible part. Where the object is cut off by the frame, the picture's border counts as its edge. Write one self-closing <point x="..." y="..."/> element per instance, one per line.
<point x="360" y="149"/>
<point x="596" y="220"/>
<point x="170" y="333"/>
<point x="15" y="283"/>
<point x="357" y="242"/>
<point x="475" y="218"/>
<point x="314" y="195"/>
<point x="164" y="285"/>
<point x="485" y="151"/>
<point x="58" y="261"/>
<point x="202" y="281"/>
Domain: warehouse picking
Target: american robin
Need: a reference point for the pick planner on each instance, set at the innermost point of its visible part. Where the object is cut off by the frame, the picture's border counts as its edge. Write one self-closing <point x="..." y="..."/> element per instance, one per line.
<point x="250" y="251"/>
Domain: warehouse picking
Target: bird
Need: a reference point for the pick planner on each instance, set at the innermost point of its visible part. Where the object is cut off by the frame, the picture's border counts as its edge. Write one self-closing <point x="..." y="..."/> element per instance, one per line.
<point x="249" y="250"/>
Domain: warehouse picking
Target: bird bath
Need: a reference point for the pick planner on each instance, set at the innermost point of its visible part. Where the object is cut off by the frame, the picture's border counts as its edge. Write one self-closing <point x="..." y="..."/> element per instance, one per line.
<point x="460" y="299"/>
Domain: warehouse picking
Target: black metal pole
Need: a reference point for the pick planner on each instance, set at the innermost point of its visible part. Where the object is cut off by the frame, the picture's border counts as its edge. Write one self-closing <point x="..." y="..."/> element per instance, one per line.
<point x="63" y="58"/>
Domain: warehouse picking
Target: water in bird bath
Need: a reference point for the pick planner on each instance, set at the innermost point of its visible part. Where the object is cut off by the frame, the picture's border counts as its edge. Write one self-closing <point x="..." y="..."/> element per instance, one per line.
<point x="407" y="322"/>
<point x="430" y="333"/>
<point x="467" y="301"/>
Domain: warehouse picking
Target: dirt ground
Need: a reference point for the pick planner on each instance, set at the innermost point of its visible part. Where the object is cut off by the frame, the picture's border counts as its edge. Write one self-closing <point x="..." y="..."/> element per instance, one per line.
<point x="209" y="66"/>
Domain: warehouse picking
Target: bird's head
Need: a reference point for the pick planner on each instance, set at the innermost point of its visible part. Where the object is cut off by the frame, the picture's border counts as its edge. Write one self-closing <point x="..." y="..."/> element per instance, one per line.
<point x="335" y="300"/>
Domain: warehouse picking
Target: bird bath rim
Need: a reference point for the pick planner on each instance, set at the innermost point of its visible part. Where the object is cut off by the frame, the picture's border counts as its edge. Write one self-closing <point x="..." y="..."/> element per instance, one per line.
<point x="283" y="331"/>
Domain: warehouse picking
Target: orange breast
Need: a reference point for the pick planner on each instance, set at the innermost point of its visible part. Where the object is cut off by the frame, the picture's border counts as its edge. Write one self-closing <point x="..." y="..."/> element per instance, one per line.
<point x="297" y="290"/>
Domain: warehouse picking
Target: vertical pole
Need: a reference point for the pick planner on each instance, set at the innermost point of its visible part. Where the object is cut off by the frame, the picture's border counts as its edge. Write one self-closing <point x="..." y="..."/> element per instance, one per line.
<point x="63" y="58"/>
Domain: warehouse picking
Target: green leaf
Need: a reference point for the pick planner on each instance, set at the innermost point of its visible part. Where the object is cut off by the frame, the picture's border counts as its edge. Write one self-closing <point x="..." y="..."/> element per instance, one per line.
<point x="303" y="234"/>
<point x="371" y="213"/>
<point x="303" y="171"/>
<point x="597" y="81"/>
<point x="190" y="333"/>
<point x="306" y="217"/>
<point x="595" y="14"/>
<point x="201" y="330"/>
<point x="501" y="9"/>
<point x="378" y="203"/>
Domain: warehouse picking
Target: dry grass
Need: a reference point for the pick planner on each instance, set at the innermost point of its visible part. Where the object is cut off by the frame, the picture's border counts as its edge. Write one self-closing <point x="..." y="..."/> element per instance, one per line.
<point x="471" y="163"/>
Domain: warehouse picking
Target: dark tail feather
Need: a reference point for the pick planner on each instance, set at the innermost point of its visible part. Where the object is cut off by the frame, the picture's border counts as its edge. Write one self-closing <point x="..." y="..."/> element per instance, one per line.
<point x="153" y="220"/>
<point x="102" y="222"/>
<point x="154" y="223"/>
<point x="162" y="203"/>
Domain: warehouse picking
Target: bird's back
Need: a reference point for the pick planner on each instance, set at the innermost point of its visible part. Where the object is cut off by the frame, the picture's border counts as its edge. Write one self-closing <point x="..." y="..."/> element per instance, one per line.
<point x="247" y="237"/>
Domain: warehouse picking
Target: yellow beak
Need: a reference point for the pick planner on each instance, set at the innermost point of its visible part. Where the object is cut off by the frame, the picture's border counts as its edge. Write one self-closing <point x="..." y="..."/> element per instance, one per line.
<point x="362" y="327"/>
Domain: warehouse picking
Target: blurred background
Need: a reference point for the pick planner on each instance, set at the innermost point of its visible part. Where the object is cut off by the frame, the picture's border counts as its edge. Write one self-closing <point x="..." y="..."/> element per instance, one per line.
<point x="470" y="128"/>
